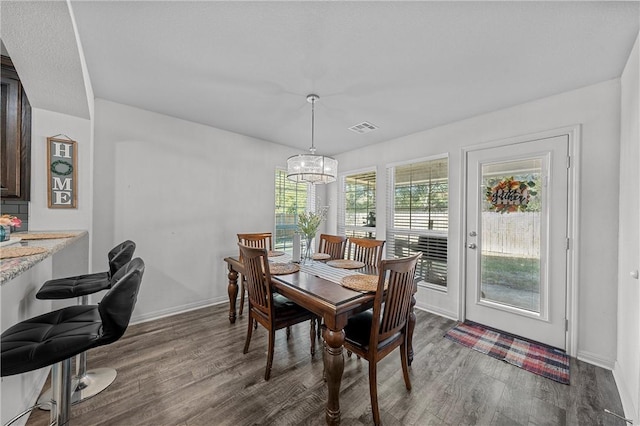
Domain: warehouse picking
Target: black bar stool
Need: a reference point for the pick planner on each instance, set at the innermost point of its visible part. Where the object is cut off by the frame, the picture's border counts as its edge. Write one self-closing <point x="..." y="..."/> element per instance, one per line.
<point x="86" y="383"/>
<point x="56" y="337"/>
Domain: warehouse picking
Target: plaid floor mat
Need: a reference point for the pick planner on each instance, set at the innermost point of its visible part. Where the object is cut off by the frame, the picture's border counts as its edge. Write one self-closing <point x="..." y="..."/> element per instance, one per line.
<point x="534" y="357"/>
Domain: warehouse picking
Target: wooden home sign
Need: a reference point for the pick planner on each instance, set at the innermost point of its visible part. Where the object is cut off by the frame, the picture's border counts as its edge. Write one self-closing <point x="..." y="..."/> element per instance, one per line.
<point x="62" y="160"/>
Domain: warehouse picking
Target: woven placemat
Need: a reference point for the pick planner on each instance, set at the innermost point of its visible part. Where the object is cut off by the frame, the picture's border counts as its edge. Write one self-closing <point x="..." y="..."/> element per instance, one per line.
<point x="345" y="263"/>
<point x="283" y="268"/>
<point x="273" y="253"/>
<point x="320" y="256"/>
<point x="361" y="282"/>
<point x="45" y="235"/>
<point x="9" y="252"/>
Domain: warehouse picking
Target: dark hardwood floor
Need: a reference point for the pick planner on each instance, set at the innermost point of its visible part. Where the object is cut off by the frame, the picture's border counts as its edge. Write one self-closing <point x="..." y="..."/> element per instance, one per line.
<point x="189" y="369"/>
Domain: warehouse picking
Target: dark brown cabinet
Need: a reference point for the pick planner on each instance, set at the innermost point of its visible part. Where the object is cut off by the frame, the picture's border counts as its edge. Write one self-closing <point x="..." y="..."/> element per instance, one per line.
<point x="16" y="136"/>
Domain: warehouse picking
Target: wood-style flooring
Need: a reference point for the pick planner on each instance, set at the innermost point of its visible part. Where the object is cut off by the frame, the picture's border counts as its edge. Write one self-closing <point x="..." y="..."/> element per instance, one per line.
<point x="189" y="369"/>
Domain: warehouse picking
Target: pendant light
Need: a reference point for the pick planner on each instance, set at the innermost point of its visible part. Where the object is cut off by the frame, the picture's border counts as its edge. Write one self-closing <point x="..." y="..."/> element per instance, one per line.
<point x="310" y="167"/>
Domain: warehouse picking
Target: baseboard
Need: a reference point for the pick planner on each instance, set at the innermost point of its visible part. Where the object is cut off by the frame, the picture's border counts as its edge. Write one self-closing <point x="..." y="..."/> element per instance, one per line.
<point x="630" y="410"/>
<point x="437" y="311"/>
<point x="596" y="360"/>
<point x="178" y="310"/>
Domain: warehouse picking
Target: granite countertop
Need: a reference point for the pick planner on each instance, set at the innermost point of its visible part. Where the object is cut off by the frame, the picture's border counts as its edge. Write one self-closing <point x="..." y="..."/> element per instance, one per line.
<point x="11" y="268"/>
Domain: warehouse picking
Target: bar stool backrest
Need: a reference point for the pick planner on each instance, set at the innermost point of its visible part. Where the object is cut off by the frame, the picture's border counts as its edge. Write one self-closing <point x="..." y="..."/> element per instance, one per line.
<point x="117" y="305"/>
<point x="120" y="255"/>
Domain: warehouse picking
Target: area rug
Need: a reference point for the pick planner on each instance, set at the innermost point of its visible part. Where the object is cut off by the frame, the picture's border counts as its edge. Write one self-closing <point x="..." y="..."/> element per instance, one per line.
<point x="537" y="358"/>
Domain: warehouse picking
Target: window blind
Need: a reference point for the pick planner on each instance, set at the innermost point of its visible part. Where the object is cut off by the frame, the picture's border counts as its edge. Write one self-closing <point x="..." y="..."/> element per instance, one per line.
<point x="356" y="215"/>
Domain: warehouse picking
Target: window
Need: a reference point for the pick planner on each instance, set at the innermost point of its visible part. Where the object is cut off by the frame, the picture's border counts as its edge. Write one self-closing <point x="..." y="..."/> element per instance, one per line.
<point x="419" y="215"/>
<point x="358" y="205"/>
<point x="291" y="198"/>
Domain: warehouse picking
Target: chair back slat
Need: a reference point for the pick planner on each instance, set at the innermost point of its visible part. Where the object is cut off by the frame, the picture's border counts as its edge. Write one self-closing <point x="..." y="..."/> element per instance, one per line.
<point x="257" y="240"/>
<point x="333" y="245"/>
<point x="366" y="250"/>
<point x="391" y="309"/>
<point x="258" y="278"/>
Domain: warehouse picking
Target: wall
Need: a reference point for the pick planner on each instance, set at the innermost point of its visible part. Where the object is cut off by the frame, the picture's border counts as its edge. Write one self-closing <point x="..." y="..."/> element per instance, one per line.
<point x="627" y="368"/>
<point x="597" y="109"/>
<point x="181" y="191"/>
<point x="46" y="124"/>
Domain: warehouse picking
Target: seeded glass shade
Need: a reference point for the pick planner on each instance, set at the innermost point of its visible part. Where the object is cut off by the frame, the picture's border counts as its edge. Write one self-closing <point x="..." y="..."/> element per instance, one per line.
<point x="312" y="168"/>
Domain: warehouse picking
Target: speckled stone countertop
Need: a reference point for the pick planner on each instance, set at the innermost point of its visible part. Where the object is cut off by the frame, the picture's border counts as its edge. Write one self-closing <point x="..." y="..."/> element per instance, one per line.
<point x="11" y="268"/>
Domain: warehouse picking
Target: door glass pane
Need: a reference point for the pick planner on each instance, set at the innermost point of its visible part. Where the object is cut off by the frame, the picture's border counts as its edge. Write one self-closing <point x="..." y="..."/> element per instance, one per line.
<point x="510" y="239"/>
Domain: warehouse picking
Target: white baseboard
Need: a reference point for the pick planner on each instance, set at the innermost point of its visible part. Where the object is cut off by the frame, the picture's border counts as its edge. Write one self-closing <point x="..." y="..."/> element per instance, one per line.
<point x="178" y="309"/>
<point x="596" y="360"/>
<point x="438" y="311"/>
<point x="628" y="405"/>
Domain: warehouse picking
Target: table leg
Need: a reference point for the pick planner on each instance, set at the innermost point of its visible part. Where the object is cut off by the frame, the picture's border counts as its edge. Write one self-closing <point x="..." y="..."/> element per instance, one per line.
<point x="410" y="326"/>
<point x="233" y="293"/>
<point x="334" y="367"/>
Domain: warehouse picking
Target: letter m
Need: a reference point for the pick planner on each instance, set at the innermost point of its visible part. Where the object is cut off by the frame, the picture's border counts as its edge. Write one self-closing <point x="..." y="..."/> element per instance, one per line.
<point x="60" y="185"/>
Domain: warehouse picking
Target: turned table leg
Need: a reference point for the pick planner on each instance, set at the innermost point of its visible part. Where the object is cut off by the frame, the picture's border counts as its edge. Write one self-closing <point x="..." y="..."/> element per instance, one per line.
<point x="334" y="367"/>
<point x="233" y="293"/>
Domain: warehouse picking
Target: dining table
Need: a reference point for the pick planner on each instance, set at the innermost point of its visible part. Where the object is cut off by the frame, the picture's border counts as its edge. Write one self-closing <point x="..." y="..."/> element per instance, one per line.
<point x="317" y="287"/>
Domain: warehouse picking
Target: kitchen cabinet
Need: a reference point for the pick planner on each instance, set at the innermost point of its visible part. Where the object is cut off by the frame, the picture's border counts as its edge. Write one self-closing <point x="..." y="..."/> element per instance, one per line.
<point x="16" y="136"/>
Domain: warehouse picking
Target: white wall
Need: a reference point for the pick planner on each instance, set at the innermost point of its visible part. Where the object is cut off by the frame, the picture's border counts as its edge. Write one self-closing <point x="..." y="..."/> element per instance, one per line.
<point x="45" y="124"/>
<point x="597" y="109"/>
<point x="181" y="191"/>
<point x="627" y="369"/>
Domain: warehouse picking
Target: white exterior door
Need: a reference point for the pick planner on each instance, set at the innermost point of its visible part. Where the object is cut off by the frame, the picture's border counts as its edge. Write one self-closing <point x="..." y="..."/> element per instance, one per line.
<point x="516" y="238"/>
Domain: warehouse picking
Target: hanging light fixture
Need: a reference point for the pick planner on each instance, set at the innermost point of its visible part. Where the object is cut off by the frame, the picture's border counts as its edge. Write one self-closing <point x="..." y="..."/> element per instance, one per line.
<point x="312" y="168"/>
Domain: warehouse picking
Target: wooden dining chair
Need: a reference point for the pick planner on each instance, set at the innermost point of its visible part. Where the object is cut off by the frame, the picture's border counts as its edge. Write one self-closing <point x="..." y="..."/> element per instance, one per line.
<point x="365" y="250"/>
<point x="333" y="245"/>
<point x="375" y="333"/>
<point x="270" y="309"/>
<point x="259" y="239"/>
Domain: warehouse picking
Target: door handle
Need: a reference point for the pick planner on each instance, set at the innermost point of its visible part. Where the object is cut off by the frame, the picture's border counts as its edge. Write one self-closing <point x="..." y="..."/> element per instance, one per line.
<point x="472" y="246"/>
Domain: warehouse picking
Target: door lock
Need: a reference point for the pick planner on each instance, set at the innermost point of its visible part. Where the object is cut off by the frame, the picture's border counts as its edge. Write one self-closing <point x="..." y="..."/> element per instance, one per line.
<point x="472" y="234"/>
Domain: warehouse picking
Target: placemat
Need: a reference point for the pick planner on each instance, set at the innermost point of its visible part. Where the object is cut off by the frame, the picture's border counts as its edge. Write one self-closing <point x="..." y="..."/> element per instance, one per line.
<point x="273" y="253"/>
<point x="283" y="268"/>
<point x="361" y="282"/>
<point x="45" y="235"/>
<point x="345" y="263"/>
<point x="320" y="256"/>
<point x="9" y="252"/>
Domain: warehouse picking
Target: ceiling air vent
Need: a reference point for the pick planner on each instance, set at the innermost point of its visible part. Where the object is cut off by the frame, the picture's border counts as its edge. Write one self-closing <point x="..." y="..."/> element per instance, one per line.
<point x="362" y="128"/>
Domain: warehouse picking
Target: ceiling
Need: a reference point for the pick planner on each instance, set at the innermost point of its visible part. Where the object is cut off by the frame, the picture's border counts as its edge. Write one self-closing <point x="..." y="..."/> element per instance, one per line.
<point x="247" y="67"/>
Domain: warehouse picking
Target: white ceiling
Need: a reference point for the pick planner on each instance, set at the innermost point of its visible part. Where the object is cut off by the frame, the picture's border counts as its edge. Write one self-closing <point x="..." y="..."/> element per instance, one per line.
<point x="403" y="66"/>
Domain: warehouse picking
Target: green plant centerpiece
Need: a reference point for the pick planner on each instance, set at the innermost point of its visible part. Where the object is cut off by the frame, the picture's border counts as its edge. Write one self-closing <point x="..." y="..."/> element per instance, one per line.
<point x="308" y="224"/>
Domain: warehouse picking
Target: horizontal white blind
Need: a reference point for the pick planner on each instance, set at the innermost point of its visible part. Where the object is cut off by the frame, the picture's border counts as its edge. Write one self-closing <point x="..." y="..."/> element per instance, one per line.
<point x="418" y="217"/>
<point x="291" y="198"/>
<point x="356" y="216"/>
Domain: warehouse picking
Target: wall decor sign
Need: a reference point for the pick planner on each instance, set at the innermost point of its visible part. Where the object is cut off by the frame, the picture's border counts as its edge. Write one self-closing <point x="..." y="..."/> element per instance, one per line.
<point x="509" y="195"/>
<point x="62" y="161"/>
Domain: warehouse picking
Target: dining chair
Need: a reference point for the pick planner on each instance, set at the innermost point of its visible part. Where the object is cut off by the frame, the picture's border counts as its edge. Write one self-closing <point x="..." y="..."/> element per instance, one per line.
<point x="259" y="239"/>
<point x="365" y="250"/>
<point x="333" y="245"/>
<point x="375" y="333"/>
<point x="272" y="310"/>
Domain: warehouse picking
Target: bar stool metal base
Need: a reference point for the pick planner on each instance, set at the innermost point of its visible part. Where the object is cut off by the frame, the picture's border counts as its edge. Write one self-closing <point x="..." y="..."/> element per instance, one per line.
<point x="91" y="384"/>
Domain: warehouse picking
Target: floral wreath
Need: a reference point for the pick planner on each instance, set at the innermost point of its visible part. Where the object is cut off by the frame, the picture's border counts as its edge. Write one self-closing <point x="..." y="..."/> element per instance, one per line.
<point x="56" y="163"/>
<point x="519" y="190"/>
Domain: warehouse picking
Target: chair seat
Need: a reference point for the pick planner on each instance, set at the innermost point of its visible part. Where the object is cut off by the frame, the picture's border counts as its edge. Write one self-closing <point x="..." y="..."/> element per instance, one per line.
<point x="70" y="287"/>
<point x="358" y="331"/>
<point x="49" y="338"/>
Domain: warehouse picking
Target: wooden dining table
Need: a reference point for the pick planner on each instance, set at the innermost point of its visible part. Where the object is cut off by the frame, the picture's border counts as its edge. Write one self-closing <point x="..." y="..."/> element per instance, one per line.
<point x="329" y="300"/>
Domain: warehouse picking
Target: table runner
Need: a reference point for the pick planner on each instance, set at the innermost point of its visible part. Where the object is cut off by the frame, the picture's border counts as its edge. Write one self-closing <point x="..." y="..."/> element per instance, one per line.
<point x="319" y="269"/>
